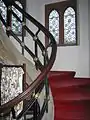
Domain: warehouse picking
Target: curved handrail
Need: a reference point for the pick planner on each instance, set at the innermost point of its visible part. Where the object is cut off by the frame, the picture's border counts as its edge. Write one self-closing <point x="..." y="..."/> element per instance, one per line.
<point x="44" y="71"/>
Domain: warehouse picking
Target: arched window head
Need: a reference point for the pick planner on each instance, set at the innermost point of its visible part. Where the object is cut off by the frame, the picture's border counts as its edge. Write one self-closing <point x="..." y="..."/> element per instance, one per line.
<point x="69" y="26"/>
<point x="54" y="24"/>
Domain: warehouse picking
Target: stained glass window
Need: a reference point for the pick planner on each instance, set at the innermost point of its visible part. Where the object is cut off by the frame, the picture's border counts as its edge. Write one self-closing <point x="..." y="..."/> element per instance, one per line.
<point x="54" y="24"/>
<point x="3" y="10"/>
<point x="60" y="20"/>
<point x="69" y="26"/>
<point x="16" y="25"/>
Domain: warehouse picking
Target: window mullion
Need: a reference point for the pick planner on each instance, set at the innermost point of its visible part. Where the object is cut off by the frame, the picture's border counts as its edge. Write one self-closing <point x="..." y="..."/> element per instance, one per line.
<point x="61" y="29"/>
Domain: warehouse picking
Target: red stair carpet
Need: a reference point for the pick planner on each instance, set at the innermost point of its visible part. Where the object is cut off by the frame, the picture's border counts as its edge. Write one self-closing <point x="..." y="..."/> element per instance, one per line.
<point x="71" y="96"/>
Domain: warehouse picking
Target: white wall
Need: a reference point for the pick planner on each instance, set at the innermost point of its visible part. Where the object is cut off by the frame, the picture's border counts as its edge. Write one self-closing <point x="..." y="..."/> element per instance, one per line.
<point x="89" y="32"/>
<point x="69" y="58"/>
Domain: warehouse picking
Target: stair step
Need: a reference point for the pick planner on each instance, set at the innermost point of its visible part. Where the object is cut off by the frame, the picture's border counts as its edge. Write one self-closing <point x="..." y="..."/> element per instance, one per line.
<point x="70" y="106"/>
<point x="72" y="103"/>
<point x="76" y="96"/>
<point x="61" y="74"/>
<point x="72" y="114"/>
<point x="70" y="119"/>
<point x="71" y="89"/>
<point x="69" y="82"/>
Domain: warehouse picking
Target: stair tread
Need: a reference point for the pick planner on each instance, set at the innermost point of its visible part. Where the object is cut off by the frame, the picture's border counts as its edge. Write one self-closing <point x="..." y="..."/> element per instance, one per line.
<point x="73" y="96"/>
<point x="72" y="114"/>
<point x="72" y="119"/>
<point x="67" y="83"/>
<point x="71" y="89"/>
<point x="76" y="107"/>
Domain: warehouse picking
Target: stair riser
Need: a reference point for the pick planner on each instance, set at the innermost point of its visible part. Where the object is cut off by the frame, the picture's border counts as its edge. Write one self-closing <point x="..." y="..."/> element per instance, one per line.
<point x="71" y="107"/>
<point x="68" y="83"/>
<point x="71" y="119"/>
<point x="70" y="115"/>
<point x="74" y="89"/>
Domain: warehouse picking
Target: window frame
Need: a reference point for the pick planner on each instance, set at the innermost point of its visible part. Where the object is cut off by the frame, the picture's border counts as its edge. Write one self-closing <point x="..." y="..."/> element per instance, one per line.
<point x="60" y="7"/>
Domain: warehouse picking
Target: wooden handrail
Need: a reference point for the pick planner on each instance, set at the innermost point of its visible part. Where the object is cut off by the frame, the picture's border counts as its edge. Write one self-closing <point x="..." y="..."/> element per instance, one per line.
<point x="44" y="69"/>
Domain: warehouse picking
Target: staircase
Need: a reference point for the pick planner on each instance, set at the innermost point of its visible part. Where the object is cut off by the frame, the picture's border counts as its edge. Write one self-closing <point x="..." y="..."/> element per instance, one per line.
<point x="71" y="96"/>
<point x="34" y="78"/>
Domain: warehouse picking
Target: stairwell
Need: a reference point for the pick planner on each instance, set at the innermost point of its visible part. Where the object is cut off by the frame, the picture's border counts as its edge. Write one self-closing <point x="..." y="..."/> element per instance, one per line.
<point x="33" y="100"/>
<point x="71" y="96"/>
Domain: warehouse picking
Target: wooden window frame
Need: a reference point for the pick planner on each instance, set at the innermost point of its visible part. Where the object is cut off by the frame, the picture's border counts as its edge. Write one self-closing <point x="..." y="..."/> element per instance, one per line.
<point x="60" y="7"/>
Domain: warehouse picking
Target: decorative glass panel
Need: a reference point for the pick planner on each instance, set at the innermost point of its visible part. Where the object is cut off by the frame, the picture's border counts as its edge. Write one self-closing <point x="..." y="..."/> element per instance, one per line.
<point x="16" y="25"/>
<point x="54" y="24"/>
<point x="11" y="85"/>
<point x="3" y="11"/>
<point x="69" y="26"/>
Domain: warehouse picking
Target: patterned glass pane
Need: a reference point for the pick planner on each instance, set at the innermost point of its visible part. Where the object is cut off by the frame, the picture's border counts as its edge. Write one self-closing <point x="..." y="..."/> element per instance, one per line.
<point x="69" y="26"/>
<point x="54" y="24"/>
<point x="16" y="25"/>
<point x="11" y="85"/>
<point x="3" y="10"/>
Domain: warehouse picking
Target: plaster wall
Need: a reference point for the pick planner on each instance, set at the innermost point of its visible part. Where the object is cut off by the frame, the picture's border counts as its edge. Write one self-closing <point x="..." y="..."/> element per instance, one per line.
<point x="70" y="57"/>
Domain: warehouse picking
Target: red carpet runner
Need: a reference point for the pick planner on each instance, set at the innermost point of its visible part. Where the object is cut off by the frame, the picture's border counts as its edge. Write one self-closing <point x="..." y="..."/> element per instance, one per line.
<point x="71" y="96"/>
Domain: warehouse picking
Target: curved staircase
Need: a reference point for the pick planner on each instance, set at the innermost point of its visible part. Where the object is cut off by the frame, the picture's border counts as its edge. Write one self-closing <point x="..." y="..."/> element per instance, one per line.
<point x="71" y="96"/>
<point x="34" y="78"/>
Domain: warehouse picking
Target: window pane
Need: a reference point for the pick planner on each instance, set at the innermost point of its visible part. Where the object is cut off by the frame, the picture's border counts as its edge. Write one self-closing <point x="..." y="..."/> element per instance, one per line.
<point x="54" y="24"/>
<point x="16" y="26"/>
<point x="3" y="11"/>
<point x="69" y="26"/>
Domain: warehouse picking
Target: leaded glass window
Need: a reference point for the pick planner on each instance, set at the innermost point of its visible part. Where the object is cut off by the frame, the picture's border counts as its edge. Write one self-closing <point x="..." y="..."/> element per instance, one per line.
<point x="3" y="10"/>
<point x="69" y="26"/>
<point x="16" y="25"/>
<point x="54" y="24"/>
<point x="60" y="20"/>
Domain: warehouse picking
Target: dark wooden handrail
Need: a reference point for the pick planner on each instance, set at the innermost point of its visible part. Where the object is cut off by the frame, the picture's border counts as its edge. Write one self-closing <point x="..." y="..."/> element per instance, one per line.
<point x="29" y="31"/>
<point x="44" y="69"/>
